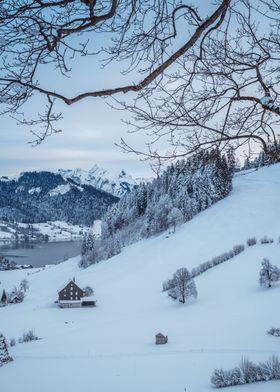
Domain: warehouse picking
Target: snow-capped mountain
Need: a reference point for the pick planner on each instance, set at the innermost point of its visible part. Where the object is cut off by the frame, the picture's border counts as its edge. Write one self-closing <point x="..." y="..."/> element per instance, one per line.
<point x="118" y="185"/>
<point x="45" y="196"/>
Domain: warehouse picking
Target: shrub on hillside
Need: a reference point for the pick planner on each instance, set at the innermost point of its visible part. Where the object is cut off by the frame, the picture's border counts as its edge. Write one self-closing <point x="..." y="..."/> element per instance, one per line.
<point x="238" y="249"/>
<point x="251" y="241"/>
<point x="28" y="336"/>
<point x="12" y="342"/>
<point x="217" y="260"/>
<point x="273" y="332"/>
<point x="247" y="373"/>
<point x="266" y="240"/>
<point x="88" y="291"/>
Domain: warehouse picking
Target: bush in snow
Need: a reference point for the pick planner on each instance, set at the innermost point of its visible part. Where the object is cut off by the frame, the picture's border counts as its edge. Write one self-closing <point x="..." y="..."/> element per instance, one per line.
<point x="226" y="378"/>
<point x="12" y="342"/>
<point x="266" y="240"/>
<point x="268" y="274"/>
<point x="274" y="332"/>
<point x="28" y="336"/>
<point x="24" y="285"/>
<point x="4" y="353"/>
<point x="88" y="291"/>
<point x="181" y="286"/>
<point x="247" y="373"/>
<point x="250" y="371"/>
<point x="217" y="260"/>
<point x="251" y="241"/>
<point x="238" y="249"/>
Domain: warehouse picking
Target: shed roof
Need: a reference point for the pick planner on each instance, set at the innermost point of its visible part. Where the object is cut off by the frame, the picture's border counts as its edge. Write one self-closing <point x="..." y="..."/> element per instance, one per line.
<point x="89" y="299"/>
<point x="160" y="335"/>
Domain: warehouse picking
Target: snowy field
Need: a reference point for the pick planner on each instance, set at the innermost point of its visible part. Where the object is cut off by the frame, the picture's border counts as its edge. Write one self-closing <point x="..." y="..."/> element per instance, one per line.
<point x="111" y="347"/>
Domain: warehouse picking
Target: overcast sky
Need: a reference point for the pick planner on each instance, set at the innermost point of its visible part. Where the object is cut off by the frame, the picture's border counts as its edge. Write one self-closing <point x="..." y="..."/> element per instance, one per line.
<point x="90" y="129"/>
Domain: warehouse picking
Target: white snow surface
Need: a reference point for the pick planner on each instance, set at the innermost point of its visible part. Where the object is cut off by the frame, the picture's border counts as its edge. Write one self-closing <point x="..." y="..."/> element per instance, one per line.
<point x="34" y="190"/>
<point x="111" y="347"/>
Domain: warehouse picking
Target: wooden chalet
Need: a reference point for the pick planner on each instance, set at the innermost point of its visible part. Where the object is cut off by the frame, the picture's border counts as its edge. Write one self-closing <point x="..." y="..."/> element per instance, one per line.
<point x="72" y="296"/>
<point x="161" y="339"/>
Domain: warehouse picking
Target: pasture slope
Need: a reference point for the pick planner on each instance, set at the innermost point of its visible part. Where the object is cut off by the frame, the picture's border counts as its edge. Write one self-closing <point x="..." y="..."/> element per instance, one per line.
<point x="111" y="348"/>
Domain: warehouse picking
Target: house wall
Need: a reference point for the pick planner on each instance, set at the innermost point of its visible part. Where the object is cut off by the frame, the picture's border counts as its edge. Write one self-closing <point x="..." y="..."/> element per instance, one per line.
<point x="70" y="305"/>
<point x="70" y="292"/>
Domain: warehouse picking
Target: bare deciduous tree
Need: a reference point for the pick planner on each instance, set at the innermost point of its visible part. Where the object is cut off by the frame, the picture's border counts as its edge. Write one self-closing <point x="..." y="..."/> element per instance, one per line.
<point x="40" y="36"/>
<point x="197" y="81"/>
<point x="181" y="286"/>
<point x="224" y="91"/>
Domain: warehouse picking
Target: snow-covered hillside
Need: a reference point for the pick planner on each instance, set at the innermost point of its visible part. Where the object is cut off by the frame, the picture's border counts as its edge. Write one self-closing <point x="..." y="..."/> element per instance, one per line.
<point x="111" y="347"/>
<point x="118" y="184"/>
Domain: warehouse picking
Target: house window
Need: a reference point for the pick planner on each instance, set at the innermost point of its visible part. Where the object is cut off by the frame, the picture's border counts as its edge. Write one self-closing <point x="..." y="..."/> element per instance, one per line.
<point x="71" y="298"/>
<point x="76" y="293"/>
<point x="64" y="295"/>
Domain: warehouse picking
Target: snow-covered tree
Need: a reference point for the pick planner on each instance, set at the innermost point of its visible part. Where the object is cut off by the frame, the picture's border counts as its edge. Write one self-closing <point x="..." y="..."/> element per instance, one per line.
<point x="84" y="245"/>
<point x="4" y="353"/>
<point x="24" y="285"/>
<point x="182" y="285"/>
<point x="175" y="217"/>
<point x="6" y="264"/>
<point x="268" y="274"/>
<point x="88" y="291"/>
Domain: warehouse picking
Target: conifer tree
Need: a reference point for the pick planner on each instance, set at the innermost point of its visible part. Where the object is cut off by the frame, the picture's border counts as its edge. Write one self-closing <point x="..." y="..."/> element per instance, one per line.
<point x="4" y="353"/>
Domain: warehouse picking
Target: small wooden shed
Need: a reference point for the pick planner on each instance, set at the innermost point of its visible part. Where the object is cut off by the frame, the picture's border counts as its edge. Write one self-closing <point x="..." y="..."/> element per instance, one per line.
<point x="161" y="339"/>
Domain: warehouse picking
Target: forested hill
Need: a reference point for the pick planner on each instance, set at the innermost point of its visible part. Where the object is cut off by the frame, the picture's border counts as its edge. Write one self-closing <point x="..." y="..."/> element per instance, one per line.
<point x="41" y="196"/>
<point x="183" y="190"/>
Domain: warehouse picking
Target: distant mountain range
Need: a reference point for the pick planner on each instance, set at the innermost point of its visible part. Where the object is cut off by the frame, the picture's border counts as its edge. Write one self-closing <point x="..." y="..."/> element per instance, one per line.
<point x="117" y="185"/>
<point x="74" y="196"/>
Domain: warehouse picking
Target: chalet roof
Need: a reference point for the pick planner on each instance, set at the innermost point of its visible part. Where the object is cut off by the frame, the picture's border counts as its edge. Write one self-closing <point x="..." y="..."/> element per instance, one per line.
<point x="66" y="284"/>
<point x="70" y="301"/>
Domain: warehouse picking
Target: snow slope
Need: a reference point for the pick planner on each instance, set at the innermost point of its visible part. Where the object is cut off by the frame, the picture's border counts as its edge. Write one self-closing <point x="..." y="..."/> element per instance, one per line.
<point x="111" y="347"/>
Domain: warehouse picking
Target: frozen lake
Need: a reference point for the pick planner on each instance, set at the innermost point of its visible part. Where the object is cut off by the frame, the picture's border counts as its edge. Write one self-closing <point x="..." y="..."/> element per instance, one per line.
<point x="43" y="253"/>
